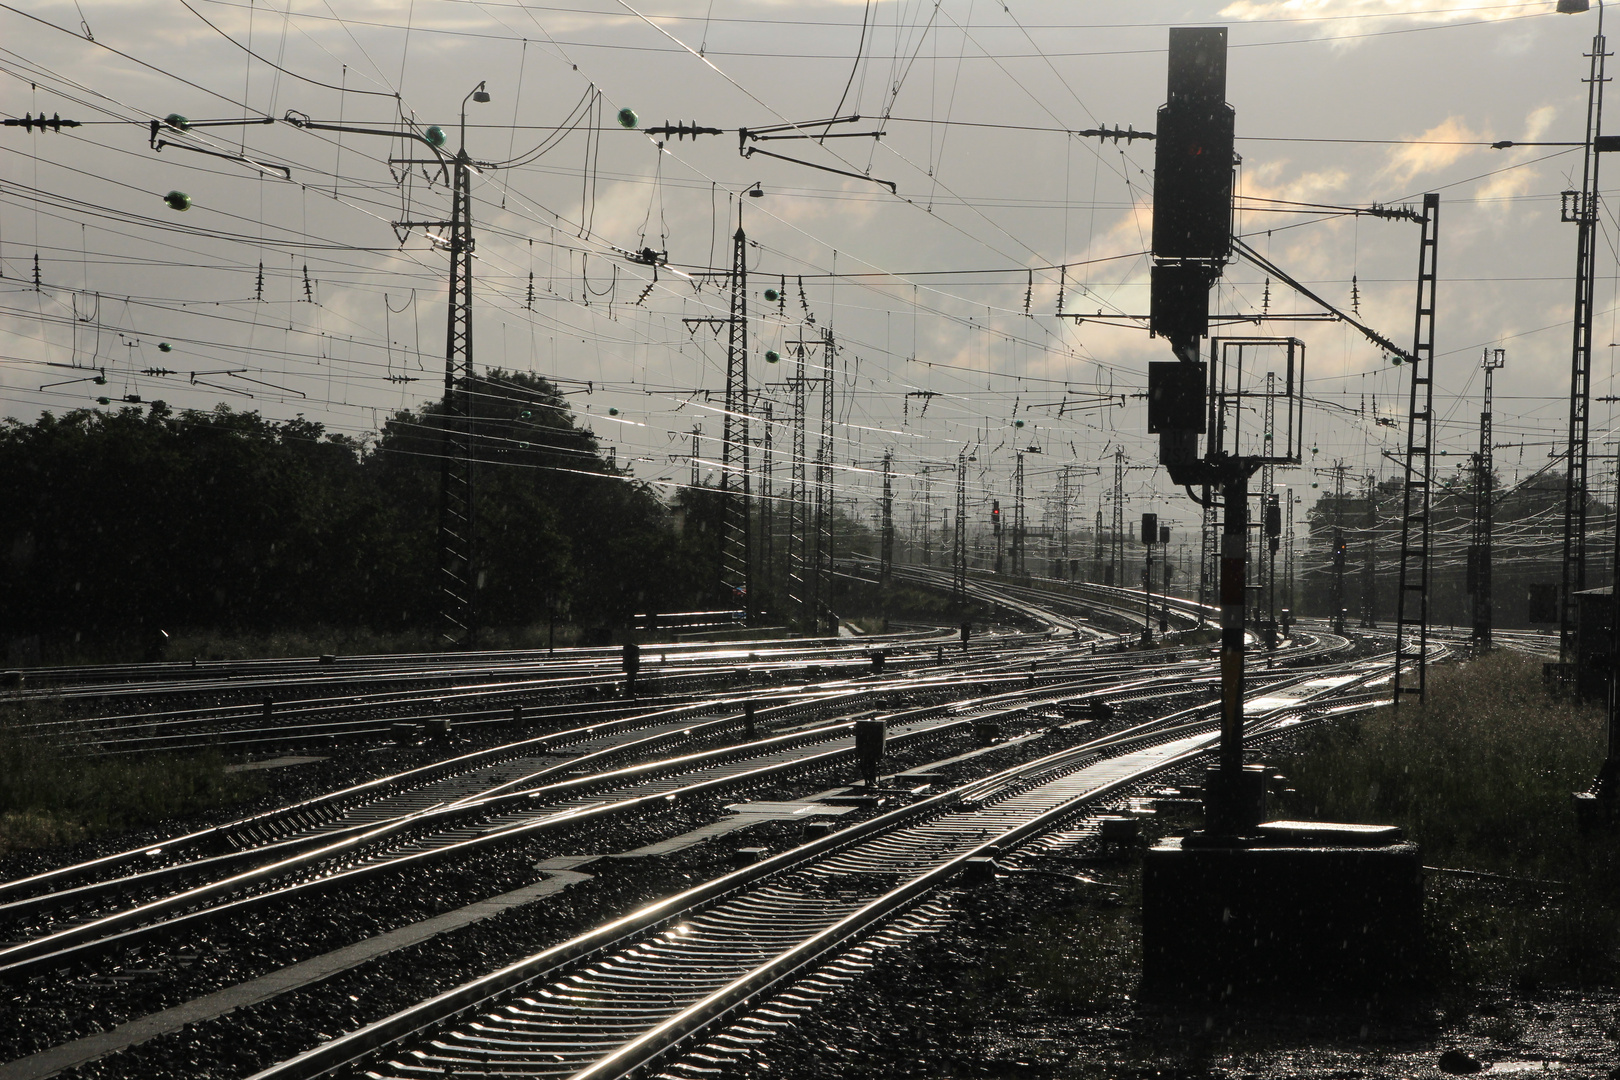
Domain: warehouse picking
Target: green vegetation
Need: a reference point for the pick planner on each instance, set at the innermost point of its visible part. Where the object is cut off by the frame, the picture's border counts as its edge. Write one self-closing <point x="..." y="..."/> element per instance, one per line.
<point x="54" y="796"/>
<point x="1481" y="778"/>
<point x="122" y="523"/>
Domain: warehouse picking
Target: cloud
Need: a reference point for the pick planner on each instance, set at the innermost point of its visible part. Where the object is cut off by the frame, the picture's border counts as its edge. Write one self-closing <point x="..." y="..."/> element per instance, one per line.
<point x="1343" y="18"/>
<point x="1432" y="150"/>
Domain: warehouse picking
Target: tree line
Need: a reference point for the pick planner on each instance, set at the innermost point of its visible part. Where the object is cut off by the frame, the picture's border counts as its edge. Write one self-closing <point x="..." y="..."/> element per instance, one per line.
<point x="124" y="522"/>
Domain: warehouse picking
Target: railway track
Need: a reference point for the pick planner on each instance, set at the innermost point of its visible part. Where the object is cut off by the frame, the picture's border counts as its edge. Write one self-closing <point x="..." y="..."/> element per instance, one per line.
<point x="633" y="994"/>
<point x="62" y="919"/>
<point x="636" y="760"/>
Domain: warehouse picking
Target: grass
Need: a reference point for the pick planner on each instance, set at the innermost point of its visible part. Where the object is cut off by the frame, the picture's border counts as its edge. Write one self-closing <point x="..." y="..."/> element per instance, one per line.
<point x="54" y="796"/>
<point x="1481" y="776"/>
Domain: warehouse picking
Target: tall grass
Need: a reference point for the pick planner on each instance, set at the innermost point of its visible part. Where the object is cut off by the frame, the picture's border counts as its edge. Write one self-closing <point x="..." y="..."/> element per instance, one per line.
<point x="52" y="796"/>
<point x="1481" y="777"/>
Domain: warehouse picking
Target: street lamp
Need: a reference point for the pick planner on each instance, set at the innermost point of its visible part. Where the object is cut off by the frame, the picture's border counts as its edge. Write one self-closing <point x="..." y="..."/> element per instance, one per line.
<point x="478" y="94"/>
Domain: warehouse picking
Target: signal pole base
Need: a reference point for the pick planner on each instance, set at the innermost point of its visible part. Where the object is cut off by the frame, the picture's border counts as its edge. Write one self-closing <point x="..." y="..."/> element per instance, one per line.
<point x="1298" y="907"/>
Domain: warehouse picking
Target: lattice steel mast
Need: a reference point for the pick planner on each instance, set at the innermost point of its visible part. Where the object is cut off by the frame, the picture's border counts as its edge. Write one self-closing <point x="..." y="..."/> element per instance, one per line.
<point x="1581" y="208"/>
<point x="736" y="539"/>
<point x="1479" y="552"/>
<point x="1412" y="595"/>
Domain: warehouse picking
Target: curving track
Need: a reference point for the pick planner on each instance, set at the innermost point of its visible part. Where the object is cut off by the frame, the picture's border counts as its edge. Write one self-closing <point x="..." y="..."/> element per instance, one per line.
<point x="617" y="760"/>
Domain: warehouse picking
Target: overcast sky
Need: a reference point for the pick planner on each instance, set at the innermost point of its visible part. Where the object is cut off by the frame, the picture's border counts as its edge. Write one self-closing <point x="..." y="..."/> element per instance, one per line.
<point x="942" y="296"/>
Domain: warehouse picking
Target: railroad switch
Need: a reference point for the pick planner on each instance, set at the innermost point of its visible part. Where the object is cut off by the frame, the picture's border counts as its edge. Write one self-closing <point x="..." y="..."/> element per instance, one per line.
<point x="1114" y="829"/>
<point x="748" y="856"/>
<point x="979" y="870"/>
<point x="870" y="735"/>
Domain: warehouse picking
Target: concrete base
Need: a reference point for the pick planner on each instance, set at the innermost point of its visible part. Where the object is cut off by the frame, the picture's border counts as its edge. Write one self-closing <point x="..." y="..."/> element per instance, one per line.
<point x="1300" y="907"/>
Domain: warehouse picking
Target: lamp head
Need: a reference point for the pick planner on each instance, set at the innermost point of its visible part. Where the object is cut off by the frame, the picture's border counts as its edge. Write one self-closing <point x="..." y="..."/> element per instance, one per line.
<point x="756" y="192"/>
<point x="479" y="94"/>
<point x="1573" y="7"/>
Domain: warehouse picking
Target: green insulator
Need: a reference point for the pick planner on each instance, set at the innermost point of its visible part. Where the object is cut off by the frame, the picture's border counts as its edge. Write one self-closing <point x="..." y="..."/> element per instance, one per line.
<point x="613" y="411"/>
<point x="103" y="401"/>
<point x="628" y="117"/>
<point x="772" y="295"/>
<point x="178" y="200"/>
<point x="1018" y="423"/>
<point x="178" y="122"/>
<point x="434" y="135"/>
<point x="772" y="356"/>
<point x="164" y="346"/>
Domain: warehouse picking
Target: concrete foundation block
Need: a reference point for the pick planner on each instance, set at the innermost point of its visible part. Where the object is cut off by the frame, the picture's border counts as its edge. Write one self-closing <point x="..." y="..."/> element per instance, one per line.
<point x="1295" y="911"/>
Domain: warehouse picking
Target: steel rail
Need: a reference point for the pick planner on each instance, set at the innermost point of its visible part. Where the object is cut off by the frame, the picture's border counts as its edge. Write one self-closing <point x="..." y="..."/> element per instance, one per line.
<point x="668" y="1034"/>
<point x="126" y="926"/>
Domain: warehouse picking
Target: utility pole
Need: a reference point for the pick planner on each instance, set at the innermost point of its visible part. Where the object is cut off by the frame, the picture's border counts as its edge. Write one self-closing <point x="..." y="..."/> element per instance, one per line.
<point x="1063" y="523"/>
<point x="697" y="472"/>
<point x="1288" y="555"/>
<point x="1117" y="576"/>
<point x="767" y="503"/>
<point x="457" y="516"/>
<point x="736" y="547"/>
<point x="928" y="521"/>
<point x="1268" y="479"/>
<point x="995" y="530"/>
<point x="1479" y="552"/>
<point x="1150" y="533"/>
<point x="822" y="588"/>
<point x="1208" y="542"/>
<point x="1097" y="555"/>
<point x="1164" y="579"/>
<point x="799" y="565"/>
<point x="1272" y="521"/>
<point x="457" y="533"/>
<point x="1412" y="595"/>
<point x="1339" y="547"/>
<point x="959" y="578"/>
<point x="1582" y="209"/>
<point x="886" y="557"/>
<point x="1369" y="566"/>
<point x="1018" y="515"/>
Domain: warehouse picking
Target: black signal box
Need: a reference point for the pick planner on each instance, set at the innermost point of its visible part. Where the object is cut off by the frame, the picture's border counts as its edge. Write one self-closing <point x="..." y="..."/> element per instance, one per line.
<point x="1176" y="399"/>
<point x="1193" y="152"/>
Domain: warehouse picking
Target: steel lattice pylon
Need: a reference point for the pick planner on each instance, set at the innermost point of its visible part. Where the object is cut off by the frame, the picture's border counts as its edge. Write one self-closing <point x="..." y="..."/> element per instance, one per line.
<point x="1369" y="556"/>
<point x="798" y="499"/>
<point x="736" y="548"/>
<point x="1412" y="595"/>
<point x="886" y="563"/>
<point x="1119" y="518"/>
<point x="1018" y="516"/>
<point x="456" y="584"/>
<point x="821" y="569"/>
<point x="1584" y="213"/>
<point x="1479" y="551"/>
<point x="959" y="571"/>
